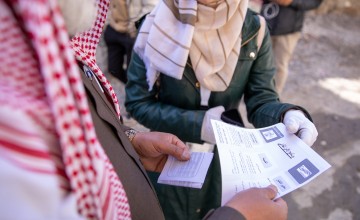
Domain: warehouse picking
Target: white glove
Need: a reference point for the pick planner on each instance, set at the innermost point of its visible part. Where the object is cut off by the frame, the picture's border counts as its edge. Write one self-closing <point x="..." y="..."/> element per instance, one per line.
<point x="207" y="133"/>
<point x="296" y="123"/>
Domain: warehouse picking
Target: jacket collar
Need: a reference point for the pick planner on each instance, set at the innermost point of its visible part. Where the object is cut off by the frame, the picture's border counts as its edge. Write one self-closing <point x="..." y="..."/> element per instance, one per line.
<point x="250" y="27"/>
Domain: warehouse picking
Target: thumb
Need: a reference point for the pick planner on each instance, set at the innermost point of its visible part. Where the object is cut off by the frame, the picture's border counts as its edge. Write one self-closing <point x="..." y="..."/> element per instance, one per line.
<point x="292" y="124"/>
<point x="177" y="149"/>
<point x="271" y="191"/>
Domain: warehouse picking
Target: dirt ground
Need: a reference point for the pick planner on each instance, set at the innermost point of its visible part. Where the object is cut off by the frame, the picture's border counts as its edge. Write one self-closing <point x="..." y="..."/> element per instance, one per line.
<point x="325" y="79"/>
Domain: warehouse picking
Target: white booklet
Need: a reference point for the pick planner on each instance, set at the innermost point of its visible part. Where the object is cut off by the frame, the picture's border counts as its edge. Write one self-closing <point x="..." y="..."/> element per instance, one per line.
<point x="260" y="157"/>
<point x="189" y="173"/>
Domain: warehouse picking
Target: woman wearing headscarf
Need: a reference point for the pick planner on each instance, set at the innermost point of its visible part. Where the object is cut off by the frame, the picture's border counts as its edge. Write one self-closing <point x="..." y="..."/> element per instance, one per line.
<point x="192" y="61"/>
<point x="64" y="153"/>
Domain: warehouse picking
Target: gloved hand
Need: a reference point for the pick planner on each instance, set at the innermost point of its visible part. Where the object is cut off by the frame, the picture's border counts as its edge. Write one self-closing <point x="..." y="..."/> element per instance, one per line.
<point x="297" y="123"/>
<point x="207" y="133"/>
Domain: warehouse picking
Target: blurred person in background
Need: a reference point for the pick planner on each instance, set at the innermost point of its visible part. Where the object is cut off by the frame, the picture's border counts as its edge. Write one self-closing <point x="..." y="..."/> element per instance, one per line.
<point x="285" y="19"/>
<point x="120" y="33"/>
<point x="64" y="151"/>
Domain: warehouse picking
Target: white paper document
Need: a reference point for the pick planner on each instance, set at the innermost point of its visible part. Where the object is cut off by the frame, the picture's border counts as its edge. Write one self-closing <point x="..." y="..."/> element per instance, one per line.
<point x="189" y="173"/>
<point x="260" y="157"/>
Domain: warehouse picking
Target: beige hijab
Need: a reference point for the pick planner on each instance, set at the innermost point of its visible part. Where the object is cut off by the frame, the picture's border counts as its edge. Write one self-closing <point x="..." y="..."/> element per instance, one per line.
<point x="211" y="37"/>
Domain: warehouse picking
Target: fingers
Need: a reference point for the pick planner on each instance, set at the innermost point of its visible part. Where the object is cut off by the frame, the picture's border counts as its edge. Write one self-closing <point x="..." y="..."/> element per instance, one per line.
<point x="185" y="155"/>
<point x="292" y="125"/>
<point x="296" y="123"/>
<point x="177" y="152"/>
<point x="182" y="148"/>
<point x="293" y="120"/>
<point x="259" y="203"/>
<point x="271" y="191"/>
<point x="280" y="202"/>
<point x="308" y="135"/>
<point x="176" y="148"/>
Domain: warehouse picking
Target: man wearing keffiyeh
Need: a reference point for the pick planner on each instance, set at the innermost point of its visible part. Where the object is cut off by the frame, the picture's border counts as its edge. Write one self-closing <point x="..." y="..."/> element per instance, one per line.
<point x="193" y="61"/>
<point x="53" y="162"/>
<point x="64" y="153"/>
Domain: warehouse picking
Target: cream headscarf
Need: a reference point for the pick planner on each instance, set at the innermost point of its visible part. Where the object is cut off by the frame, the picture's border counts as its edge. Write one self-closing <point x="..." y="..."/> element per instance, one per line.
<point x="211" y="37"/>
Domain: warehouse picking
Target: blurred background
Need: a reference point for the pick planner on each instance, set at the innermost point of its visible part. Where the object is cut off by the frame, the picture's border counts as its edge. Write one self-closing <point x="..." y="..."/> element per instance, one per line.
<point x="324" y="77"/>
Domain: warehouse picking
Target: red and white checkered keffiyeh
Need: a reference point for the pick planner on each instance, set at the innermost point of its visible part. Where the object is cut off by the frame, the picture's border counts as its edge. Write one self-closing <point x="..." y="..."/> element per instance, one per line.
<point x="85" y="44"/>
<point x="45" y="123"/>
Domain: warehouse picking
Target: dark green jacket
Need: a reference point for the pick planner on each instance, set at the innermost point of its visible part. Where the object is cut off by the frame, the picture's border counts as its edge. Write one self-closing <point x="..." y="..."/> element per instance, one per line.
<point x="174" y="106"/>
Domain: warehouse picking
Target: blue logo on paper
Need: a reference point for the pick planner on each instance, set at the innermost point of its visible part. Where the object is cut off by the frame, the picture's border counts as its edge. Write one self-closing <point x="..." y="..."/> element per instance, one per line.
<point x="303" y="171"/>
<point x="271" y="134"/>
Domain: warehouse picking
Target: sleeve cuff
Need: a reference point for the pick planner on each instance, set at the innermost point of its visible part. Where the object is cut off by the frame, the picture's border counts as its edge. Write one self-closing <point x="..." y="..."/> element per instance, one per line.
<point x="307" y="114"/>
<point x="224" y="212"/>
